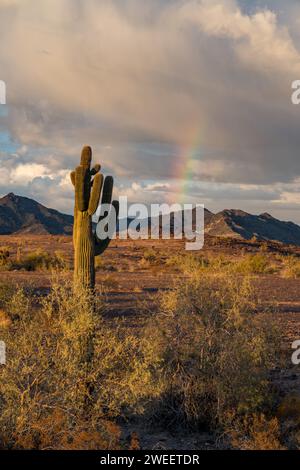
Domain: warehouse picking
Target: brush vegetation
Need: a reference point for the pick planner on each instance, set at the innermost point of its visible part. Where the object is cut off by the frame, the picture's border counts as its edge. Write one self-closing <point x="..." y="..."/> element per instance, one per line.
<point x="38" y="260"/>
<point x="72" y="377"/>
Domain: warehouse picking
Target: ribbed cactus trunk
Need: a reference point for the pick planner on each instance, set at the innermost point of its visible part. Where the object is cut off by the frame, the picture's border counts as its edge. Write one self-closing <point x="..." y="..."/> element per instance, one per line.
<point x="84" y="269"/>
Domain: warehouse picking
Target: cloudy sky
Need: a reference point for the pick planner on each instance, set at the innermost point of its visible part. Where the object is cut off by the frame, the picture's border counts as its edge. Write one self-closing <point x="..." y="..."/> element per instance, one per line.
<point x="181" y="100"/>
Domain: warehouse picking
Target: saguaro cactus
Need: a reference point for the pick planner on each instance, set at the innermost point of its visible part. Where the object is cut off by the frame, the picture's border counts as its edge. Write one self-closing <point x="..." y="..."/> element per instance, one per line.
<point x="88" y="183"/>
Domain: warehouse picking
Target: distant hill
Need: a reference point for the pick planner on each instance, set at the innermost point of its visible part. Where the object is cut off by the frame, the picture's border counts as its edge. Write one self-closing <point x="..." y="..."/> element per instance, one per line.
<point x="20" y="214"/>
<point x="23" y="215"/>
<point x="239" y="224"/>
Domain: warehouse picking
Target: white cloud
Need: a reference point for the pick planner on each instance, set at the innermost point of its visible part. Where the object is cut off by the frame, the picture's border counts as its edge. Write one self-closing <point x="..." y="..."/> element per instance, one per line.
<point x="258" y="38"/>
<point x="23" y="174"/>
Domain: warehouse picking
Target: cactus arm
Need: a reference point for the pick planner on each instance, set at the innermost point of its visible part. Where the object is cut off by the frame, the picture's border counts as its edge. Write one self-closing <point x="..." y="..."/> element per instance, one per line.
<point x="107" y="190"/>
<point x="101" y="245"/>
<point x="86" y="157"/>
<point x="95" y="193"/>
<point x="73" y="176"/>
<point x="95" y="169"/>
<point x="83" y="180"/>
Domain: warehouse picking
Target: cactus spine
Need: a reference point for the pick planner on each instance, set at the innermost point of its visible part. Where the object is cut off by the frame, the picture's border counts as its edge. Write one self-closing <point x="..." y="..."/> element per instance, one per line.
<point x="88" y="184"/>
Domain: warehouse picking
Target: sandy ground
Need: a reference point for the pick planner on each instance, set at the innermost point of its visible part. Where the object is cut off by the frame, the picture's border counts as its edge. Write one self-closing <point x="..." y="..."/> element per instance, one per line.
<point x="131" y="285"/>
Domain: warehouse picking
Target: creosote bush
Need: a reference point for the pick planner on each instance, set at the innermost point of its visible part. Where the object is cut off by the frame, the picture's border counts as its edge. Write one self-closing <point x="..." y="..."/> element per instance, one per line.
<point x="249" y="264"/>
<point x="68" y="373"/>
<point x="201" y="361"/>
<point x="291" y="267"/>
<point x="37" y="260"/>
<point x="188" y="263"/>
<point x="4" y="256"/>
<point x="257" y="432"/>
<point x="253" y="264"/>
<point x="215" y="353"/>
<point x="150" y="255"/>
<point x="42" y="260"/>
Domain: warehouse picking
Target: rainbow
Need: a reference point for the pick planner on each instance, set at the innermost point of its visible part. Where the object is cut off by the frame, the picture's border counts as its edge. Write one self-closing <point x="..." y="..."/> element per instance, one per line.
<point x="185" y="164"/>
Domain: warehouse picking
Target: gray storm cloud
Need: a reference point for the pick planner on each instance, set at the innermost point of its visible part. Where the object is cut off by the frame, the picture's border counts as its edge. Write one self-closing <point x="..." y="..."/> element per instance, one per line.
<point x="149" y="85"/>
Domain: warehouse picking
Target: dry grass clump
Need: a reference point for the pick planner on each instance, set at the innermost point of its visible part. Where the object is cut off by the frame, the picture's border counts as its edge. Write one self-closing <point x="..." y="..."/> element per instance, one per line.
<point x="289" y="415"/>
<point x="42" y="260"/>
<point x="5" y="321"/>
<point x="69" y="374"/>
<point x="214" y="352"/>
<point x="33" y="261"/>
<point x="249" y="264"/>
<point x="150" y="254"/>
<point x="150" y="258"/>
<point x="253" y="264"/>
<point x="102" y="265"/>
<point x="291" y="267"/>
<point x="257" y="432"/>
<point x="289" y="408"/>
<point x="4" y="256"/>
<point x="188" y="262"/>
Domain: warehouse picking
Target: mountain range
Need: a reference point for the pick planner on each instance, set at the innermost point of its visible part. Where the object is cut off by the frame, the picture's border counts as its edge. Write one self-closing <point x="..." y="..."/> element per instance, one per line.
<point x="20" y="214"/>
<point x="239" y="224"/>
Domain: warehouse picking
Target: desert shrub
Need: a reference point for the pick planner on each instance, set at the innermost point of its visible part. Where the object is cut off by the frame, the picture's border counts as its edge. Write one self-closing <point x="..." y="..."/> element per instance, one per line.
<point x="289" y="415"/>
<point x="144" y="263"/>
<point x="5" y="261"/>
<point x="5" y="320"/>
<point x="193" y="263"/>
<point x="99" y="263"/>
<point x="291" y="267"/>
<point x="134" y="441"/>
<point x="248" y="264"/>
<point x="187" y="262"/>
<point x="150" y="254"/>
<point x="264" y="248"/>
<point x="253" y="264"/>
<point x="6" y="293"/>
<point x="42" y="260"/>
<point x="150" y="258"/>
<point x="59" y="261"/>
<point x="69" y="373"/>
<point x="53" y="431"/>
<point x="103" y="264"/>
<point x="214" y="352"/>
<point x="203" y="359"/>
<point x="257" y="432"/>
<point x="289" y="408"/>
<point x="4" y="254"/>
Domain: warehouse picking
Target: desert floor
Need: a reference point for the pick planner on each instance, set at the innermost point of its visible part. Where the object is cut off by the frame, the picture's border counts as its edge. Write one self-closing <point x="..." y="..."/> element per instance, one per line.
<point x="129" y="282"/>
